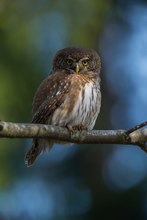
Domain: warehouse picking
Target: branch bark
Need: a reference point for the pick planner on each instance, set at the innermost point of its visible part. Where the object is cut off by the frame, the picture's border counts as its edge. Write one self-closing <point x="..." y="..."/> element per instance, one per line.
<point x="134" y="136"/>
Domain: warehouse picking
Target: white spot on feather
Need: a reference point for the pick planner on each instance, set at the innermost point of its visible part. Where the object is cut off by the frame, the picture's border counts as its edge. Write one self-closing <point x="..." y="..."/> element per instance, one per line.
<point x="58" y="92"/>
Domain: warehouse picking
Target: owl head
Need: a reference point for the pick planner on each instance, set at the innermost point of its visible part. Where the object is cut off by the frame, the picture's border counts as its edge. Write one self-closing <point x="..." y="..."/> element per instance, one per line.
<point x="77" y="60"/>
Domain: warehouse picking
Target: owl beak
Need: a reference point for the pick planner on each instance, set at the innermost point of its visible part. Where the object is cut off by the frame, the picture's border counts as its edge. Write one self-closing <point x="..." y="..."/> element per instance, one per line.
<point x="77" y="68"/>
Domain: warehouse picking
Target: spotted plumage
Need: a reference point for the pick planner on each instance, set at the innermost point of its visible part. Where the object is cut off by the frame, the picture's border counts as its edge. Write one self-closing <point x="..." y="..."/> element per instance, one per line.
<point x="69" y="97"/>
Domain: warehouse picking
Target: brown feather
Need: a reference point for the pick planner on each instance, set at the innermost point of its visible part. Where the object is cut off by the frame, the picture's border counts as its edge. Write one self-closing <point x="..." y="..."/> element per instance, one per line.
<point x="32" y="153"/>
<point x="48" y="89"/>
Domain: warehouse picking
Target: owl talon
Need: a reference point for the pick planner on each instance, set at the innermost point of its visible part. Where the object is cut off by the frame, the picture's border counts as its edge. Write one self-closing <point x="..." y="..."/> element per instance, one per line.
<point x="70" y="128"/>
<point x="80" y="128"/>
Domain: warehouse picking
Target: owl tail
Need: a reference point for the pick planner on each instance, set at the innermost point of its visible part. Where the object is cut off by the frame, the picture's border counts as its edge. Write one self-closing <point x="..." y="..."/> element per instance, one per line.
<point x="35" y="150"/>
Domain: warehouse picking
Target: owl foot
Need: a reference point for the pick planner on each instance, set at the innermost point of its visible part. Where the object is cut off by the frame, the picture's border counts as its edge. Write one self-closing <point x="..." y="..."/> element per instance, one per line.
<point x="72" y="129"/>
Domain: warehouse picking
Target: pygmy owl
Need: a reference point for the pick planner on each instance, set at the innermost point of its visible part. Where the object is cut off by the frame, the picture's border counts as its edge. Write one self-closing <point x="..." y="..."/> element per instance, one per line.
<point x="69" y="97"/>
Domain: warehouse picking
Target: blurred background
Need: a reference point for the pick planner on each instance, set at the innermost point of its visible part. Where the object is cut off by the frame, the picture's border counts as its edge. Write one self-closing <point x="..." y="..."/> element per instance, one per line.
<point x="87" y="181"/>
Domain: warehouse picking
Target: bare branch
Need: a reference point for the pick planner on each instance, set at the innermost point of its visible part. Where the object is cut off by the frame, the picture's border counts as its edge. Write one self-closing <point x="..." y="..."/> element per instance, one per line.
<point x="136" y="127"/>
<point x="18" y="130"/>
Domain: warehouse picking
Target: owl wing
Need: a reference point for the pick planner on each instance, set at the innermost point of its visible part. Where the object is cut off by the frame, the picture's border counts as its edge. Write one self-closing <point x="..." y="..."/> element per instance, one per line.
<point x="49" y="96"/>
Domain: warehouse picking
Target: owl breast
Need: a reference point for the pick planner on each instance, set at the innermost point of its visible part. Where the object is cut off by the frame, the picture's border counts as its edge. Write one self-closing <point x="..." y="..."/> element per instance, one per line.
<point x="80" y="107"/>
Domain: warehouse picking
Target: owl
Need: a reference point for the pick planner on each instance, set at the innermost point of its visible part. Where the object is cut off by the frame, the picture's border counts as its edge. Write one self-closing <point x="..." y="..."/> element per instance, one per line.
<point x="69" y="97"/>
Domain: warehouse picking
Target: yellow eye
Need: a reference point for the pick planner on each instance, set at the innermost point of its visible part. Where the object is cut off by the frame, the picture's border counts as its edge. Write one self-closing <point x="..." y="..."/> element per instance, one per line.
<point x="85" y="62"/>
<point x="69" y="61"/>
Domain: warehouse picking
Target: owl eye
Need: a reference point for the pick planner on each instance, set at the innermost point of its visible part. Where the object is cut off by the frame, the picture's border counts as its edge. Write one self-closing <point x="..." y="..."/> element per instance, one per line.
<point x="85" y="62"/>
<point x="69" y="61"/>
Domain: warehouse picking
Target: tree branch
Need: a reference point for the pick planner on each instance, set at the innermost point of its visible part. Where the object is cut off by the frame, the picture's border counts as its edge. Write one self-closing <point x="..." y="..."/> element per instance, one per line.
<point x="134" y="136"/>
